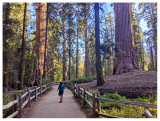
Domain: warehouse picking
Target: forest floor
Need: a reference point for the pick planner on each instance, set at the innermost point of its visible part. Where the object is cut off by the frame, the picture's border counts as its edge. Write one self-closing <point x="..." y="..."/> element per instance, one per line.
<point x="131" y="84"/>
<point x="48" y="106"/>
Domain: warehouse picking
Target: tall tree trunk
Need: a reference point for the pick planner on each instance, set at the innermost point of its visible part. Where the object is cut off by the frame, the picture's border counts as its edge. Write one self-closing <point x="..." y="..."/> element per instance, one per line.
<point x="45" y="52"/>
<point x="151" y="57"/>
<point x="100" y="80"/>
<point x="69" y="44"/>
<point x="40" y="36"/>
<point x="24" y="35"/>
<point x="86" y="42"/>
<point x="77" y="52"/>
<point x="64" y="47"/>
<point x="124" y="39"/>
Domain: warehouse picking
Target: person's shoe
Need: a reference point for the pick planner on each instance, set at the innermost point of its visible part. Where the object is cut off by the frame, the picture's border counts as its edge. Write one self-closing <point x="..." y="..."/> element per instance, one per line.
<point x="60" y="101"/>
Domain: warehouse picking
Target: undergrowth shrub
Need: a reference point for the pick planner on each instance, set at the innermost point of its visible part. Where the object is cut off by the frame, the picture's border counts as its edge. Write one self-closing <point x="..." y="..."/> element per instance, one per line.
<point x="112" y="104"/>
<point x="83" y="79"/>
<point x="128" y="111"/>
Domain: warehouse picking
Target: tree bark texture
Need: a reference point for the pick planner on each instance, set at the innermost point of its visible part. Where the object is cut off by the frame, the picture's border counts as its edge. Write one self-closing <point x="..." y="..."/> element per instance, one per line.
<point x="86" y="42"/>
<point x="45" y="53"/>
<point x="151" y="57"/>
<point x="100" y="80"/>
<point x="77" y="51"/>
<point x="64" y="48"/>
<point x="125" y="57"/>
<point x="69" y="53"/>
<point x="40" y="35"/>
<point x="24" y="35"/>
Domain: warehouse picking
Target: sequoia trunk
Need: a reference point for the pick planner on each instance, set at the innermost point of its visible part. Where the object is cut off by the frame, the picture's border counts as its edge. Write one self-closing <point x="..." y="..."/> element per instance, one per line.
<point x="125" y="54"/>
<point x="40" y="35"/>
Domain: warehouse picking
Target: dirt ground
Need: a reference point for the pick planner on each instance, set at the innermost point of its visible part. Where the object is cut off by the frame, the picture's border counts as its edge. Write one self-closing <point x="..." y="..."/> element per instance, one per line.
<point x="131" y="84"/>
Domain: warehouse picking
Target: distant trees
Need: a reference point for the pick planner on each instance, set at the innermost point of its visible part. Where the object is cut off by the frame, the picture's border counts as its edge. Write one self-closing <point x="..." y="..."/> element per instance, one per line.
<point x="149" y="13"/>
<point x="22" y="59"/>
<point x="7" y="32"/>
<point x="86" y="13"/>
<point x="77" y="49"/>
<point x="13" y="16"/>
<point x="64" y="44"/>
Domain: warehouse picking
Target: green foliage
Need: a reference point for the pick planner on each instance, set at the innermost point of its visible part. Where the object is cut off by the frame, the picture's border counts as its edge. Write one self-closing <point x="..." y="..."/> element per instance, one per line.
<point x="8" y="97"/>
<point x="128" y="111"/>
<point x="44" y="81"/>
<point x="83" y="79"/>
<point x="147" y="99"/>
<point x="112" y="104"/>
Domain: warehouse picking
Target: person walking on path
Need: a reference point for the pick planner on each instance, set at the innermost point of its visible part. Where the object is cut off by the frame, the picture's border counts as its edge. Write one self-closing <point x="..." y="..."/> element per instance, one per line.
<point x="61" y="88"/>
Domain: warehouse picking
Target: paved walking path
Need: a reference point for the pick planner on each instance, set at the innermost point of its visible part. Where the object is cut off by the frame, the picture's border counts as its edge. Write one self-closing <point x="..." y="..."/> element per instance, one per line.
<point x="48" y="106"/>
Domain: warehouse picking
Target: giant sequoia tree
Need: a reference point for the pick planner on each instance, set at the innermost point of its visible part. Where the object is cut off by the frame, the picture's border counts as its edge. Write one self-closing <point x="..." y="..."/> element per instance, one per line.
<point x="125" y="53"/>
<point x="40" y="35"/>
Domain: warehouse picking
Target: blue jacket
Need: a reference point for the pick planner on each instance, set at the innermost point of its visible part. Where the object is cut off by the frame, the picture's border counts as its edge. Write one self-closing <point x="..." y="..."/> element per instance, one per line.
<point x="61" y="87"/>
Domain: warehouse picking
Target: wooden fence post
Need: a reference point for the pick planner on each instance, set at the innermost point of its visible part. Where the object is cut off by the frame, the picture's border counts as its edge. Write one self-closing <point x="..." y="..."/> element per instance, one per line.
<point x="15" y="106"/>
<point x="94" y="107"/>
<point x="20" y="106"/>
<point x="40" y="90"/>
<point x="45" y="88"/>
<point x="29" y="96"/>
<point x="35" y="93"/>
<point x="68" y="85"/>
<point x="25" y="96"/>
<point x="74" y="87"/>
<point x="84" y="97"/>
<point x="98" y="102"/>
<point x="81" y="90"/>
<point x="78" y="92"/>
<point x="87" y="95"/>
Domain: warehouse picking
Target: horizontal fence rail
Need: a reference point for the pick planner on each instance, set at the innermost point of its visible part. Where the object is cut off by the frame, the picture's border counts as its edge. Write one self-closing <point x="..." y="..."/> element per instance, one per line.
<point x="25" y="99"/>
<point x="84" y="94"/>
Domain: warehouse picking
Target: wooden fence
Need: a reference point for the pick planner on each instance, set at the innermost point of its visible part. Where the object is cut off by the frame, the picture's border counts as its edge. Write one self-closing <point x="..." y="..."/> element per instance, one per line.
<point x="84" y="95"/>
<point x="26" y="99"/>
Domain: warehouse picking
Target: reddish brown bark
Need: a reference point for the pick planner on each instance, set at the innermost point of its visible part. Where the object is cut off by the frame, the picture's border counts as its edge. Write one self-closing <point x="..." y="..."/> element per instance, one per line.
<point x="69" y="51"/>
<point x="45" y="52"/>
<point x="40" y="35"/>
<point x="124" y="39"/>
